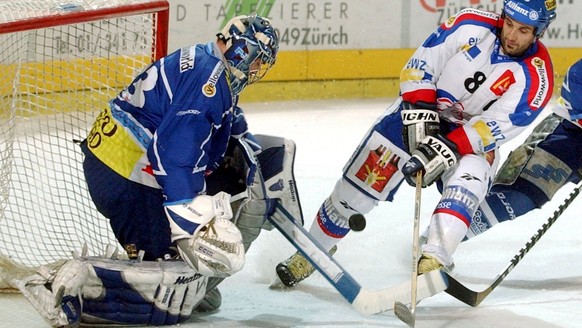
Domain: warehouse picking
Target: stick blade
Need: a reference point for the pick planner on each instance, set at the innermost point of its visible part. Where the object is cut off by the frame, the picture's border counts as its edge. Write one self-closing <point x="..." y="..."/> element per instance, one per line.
<point x="404" y="314"/>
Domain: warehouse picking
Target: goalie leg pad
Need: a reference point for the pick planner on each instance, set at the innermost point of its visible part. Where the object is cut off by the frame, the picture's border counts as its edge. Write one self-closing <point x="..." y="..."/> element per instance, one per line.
<point x="277" y="166"/>
<point x="270" y="179"/>
<point x="143" y="293"/>
<point x="109" y="291"/>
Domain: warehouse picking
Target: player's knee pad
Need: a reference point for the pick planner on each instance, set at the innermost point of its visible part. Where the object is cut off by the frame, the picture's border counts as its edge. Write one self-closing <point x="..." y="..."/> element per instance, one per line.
<point x="211" y="301"/>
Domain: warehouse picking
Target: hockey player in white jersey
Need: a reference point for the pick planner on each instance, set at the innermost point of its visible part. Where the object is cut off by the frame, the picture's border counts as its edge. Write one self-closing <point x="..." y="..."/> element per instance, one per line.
<point x="550" y="158"/>
<point x="478" y="81"/>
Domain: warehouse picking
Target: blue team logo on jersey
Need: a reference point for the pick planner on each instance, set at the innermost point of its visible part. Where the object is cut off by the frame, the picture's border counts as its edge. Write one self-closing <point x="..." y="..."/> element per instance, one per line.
<point x="474" y="51"/>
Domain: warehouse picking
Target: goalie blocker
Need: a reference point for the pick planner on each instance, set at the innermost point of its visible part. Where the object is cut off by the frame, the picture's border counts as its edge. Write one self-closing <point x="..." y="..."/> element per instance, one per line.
<point x="104" y="290"/>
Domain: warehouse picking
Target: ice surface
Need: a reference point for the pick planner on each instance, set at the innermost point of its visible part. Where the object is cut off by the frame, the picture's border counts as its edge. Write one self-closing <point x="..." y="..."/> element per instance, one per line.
<point x="544" y="290"/>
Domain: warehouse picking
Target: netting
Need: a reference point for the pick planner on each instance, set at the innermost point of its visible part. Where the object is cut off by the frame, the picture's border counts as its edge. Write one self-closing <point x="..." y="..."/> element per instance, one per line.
<point x="59" y="65"/>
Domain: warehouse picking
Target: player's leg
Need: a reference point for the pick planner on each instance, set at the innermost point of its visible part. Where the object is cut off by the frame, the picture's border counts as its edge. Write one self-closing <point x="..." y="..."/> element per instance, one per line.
<point x="267" y="178"/>
<point x="371" y="174"/>
<point x="135" y="211"/>
<point x="464" y="188"/>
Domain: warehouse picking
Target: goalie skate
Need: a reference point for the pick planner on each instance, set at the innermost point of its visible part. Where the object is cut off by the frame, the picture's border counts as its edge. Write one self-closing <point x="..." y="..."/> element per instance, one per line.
<point x="295" y="269"/>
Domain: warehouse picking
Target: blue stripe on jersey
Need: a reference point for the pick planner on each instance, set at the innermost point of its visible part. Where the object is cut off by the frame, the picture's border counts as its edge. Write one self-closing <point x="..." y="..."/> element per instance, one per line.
<point x="444" y="94"/>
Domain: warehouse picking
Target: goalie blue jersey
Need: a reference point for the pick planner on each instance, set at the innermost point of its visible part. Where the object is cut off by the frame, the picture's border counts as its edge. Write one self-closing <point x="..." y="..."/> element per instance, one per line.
<point x="171" y="125"/>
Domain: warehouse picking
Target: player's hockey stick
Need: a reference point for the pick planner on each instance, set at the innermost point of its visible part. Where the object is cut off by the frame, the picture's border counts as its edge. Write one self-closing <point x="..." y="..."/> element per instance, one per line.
<point x="363" y="300"/>
<point x="408" y="315"/>
<point x="473" y="298"/>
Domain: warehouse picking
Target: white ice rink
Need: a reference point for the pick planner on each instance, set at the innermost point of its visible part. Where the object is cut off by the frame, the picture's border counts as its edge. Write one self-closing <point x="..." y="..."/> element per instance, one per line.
<point x="544" y="290"/>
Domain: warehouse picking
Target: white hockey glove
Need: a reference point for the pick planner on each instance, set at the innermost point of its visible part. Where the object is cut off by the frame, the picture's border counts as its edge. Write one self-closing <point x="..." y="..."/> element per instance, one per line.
<point x="419" y="121"/>
<point x="188" y="219"/>
<point x="205" y="237"/>
<point x="434" y="155"/>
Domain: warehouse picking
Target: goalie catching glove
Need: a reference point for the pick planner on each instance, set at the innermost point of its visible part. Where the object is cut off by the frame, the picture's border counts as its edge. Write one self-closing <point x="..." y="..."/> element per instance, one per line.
<point x="419" y="120"/>
<point x="434" y="155"/>
<point x="205" y="237"/>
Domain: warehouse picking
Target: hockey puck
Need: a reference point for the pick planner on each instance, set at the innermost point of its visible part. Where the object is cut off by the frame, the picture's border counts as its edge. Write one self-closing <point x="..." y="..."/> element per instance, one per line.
<point x="357" y="222"/>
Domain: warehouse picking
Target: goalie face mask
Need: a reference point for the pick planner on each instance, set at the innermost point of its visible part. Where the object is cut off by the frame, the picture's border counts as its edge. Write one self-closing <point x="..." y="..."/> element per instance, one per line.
<point x="252" y="46"/>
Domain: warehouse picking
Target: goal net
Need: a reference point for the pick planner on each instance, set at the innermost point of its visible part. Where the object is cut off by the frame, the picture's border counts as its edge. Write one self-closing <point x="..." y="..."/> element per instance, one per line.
<point x="60" y="63"/>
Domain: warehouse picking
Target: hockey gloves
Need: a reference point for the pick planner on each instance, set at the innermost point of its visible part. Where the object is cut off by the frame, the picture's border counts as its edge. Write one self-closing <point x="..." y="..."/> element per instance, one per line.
<point x="206" y="238"/>
<point x="420" y="120"/>
<point x="434" y="155"/>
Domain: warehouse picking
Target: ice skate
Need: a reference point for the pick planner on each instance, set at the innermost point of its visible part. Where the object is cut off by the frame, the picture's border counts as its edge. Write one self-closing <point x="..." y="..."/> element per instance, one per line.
<point x="428" y="263"/>
<point x="295" y="269"/>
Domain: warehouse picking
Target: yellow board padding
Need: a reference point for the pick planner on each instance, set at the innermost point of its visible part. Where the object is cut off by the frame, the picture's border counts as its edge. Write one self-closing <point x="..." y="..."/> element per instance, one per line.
<point x="318" y="74"/>
<point x="338" y="64"/>
<point x="70" y="75"/>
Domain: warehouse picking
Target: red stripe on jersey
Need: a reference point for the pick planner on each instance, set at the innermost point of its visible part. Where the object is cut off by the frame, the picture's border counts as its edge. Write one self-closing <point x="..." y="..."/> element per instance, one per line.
<point x="459" y="137"/>
<point x="425" y="95"/>
<point x="541" y="77"/>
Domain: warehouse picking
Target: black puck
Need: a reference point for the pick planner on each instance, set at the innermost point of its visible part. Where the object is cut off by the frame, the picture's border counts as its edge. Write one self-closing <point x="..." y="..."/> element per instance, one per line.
<point x="357" y="222"/>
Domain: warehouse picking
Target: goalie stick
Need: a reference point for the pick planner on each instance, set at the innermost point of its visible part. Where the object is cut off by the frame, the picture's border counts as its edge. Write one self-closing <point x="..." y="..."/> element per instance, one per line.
<point x="473" y="298"/>
<point x="365" y="301"/>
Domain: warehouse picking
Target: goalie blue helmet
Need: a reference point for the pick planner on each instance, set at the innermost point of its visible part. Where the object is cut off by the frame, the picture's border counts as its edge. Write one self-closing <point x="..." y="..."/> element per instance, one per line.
<point x="252" y="46"/>
<point x="536" y="13"/>
<point x="572" y="91"/>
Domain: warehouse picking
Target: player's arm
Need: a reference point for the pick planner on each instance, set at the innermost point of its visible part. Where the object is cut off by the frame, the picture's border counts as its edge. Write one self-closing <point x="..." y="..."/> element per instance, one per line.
<point x="182" y="150"/>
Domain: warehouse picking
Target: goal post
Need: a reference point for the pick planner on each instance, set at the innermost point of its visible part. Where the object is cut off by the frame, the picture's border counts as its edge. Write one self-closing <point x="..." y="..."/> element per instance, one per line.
<point x="60" y="64"/>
